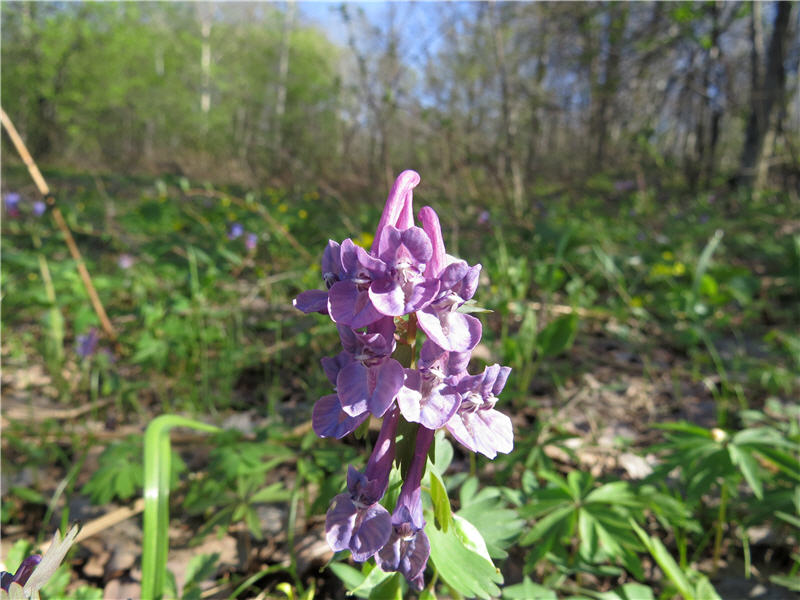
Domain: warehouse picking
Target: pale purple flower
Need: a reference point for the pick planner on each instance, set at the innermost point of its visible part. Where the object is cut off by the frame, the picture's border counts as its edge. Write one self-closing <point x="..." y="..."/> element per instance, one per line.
<point x="12" y="204"/>
<point x="390" y="284"/>
<point x="251" y="241"/>
<point x="452" y="330"/>
<point x="370" y="382"/>
<point x="87" y="343"/>
<point x="484" y="218"/>
<point x="398" y="208"/>
<point x="429" y="396"/>
<point x="355" y="520"/>
<point x="125" y="261"/>
<point x="235" y="231"/>
<point x="408" y="548"/>
<point x="39" y="207"/>
<point x="327" y="417"/>
<point x="22" y="573"/>
<point x="476" y="424"/>
<point x="35" y="571"/>
<point x="332" y="272"/>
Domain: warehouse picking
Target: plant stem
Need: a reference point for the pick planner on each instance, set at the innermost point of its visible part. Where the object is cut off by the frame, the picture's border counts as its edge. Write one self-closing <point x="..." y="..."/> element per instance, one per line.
<point x="723" y="505"/>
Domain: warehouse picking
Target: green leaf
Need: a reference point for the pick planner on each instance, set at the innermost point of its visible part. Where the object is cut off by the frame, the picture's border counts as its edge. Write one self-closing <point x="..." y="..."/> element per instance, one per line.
<point x="664" y="559"/>
<point x="374" y="578"/>
<point x="464" y="570"/>
<point x="558" y="335"/>
<point x="441" y="503"/>
<point x="275" y="492"/>
<point x="157" y="470"/>
<point x="546" y="525"/>
<point x="352" y="578"/>
<point x="749" y="467"/>
<point x="201" y="567"/>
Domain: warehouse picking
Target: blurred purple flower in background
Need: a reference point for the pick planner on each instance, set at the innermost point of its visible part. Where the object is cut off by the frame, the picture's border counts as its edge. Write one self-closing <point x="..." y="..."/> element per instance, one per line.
<point x="235" y="231"/>
<point x="125" y="261"/>
<point x="39" y="208"/>
<point x="11" y="200"/>
<point x="251" y="241"/>
<point x="86" y="344"/>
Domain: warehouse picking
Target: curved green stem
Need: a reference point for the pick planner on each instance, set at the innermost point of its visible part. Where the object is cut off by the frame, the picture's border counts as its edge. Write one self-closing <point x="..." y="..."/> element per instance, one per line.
<point x="155" y="540"/>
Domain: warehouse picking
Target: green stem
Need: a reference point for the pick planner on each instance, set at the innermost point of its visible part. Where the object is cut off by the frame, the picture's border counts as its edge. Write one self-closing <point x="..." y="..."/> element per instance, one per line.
<point x="723" y="505"/>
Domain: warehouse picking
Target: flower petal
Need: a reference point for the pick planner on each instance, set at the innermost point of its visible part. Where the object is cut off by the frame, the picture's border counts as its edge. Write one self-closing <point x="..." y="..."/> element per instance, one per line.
<point x="351" y="385"/>
<point x="340" y="522"/>
<point x="390" y="377"/>
<point x="329" y="420"/>
<point x="372" y="532"/>
<point x="452" y="331"/>
<point x="484" y="431"/>
<point x="387" y="297"/>
<point x="350" y="306"/>
<point x="312" y="301"/>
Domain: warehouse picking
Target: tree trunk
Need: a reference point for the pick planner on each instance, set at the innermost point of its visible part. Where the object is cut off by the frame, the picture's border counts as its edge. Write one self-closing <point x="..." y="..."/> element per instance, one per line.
<point x="768" y="96"/>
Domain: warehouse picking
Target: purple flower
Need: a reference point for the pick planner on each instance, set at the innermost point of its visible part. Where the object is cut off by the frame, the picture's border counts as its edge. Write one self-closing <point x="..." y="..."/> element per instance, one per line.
<point x="451" y="330"/>
<point x="484" y="218"/>
<point x="87" y="344"/>
<point x="408" y="548"/>
<point x="398" y="208"/>
<point x="476" y="424"/>
<point x="370" y="382"/>
<point x="39" y="207"/>
<point x="317" y="300"/>
<point x="23" y="572"/>
<point x="251" y="241"/>
<point x="391" y="284"/>
<point x="12" y="204"/>
<point x="235" y="231"/>
<point x="327" y="417"/>
<point x="125" y="261"/>
<point x="35" y="571"/>
<point x="429" y="396"/>
<point x="355" y="520"/>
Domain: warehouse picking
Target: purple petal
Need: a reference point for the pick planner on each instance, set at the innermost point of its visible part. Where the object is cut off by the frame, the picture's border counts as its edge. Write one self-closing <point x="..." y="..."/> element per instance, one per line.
<point x="397" y="210"/>
<point x="422" y="294"/>
<point x="438" y="406"/>
<point x="348" y="256"/>
<point x="484" y="431"/>
<point x="371" y="534"/>
<point x="500" y="382"/>
<point x="332" y="365"/>
<point x="388" y="297"/>
<point x="390" y="377"/>
<point x="418" y="244"/>
<point x="331" y="259"/>
<point x="312" y="301"/>
<point x="430" y="223"/>
<point x="453" y="274"/>
<point x="349" y="306"/>
<point x="409" y="398"/>
<point x="453" y="331"/>
<point x="329" y="420"/>
<point x="391" y="240"/>
<point x="340" y="522"/>
<point x="351" y="385"/>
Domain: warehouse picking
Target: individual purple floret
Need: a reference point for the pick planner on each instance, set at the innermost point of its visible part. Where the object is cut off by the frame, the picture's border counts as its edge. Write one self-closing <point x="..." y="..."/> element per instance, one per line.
<point x="370" y="382"/>
<point x="476" y="424"/>
<point x="22" y="574"/>
<point x="451" y="330"/>
<point x="327" y="417"/>
<point x="429" y="396"/>
<point x="317" y="300"/>
<point x="355" y="520"/>
<point x="235" y="231"/>
<point x="39" y="207"/>
<point x="12" y="204"/>
<point x="408" y="548"/>
<point x="87" y="344"/>
<point x="251" y="241"/>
